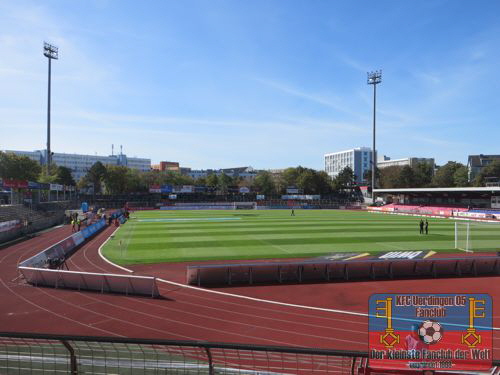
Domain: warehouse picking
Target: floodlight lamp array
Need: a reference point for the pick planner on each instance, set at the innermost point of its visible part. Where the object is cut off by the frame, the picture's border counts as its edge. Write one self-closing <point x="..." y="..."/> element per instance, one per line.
<point x="50" y="51"/>
<point x="374" y="77"/>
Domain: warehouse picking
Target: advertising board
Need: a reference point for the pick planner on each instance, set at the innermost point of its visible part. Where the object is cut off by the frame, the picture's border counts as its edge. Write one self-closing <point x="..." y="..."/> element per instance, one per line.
<point x="430" y="332"/>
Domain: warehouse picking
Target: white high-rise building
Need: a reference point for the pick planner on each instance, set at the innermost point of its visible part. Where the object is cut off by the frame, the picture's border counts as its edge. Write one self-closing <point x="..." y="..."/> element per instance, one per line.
<point x="80" y="164"/>
<point x="358" y="159"/>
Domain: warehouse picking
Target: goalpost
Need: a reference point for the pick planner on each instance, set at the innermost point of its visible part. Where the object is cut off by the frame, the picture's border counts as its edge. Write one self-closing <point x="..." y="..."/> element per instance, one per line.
<point x="474" y="236"/>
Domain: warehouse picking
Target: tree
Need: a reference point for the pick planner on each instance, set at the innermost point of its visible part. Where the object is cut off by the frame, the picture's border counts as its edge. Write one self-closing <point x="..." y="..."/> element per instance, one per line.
<point x="51" y="176"/>
<point x="423" y="173"/>
<point x="390" y="177"/>
<point x="19" y="167"/>
<point x="181" y="179"/>
<point x="492" y="170"/>
<point x="307" y="181"/>
<point x="64" y="176"/>
<point x="323" y="183"/>
<point x="95" y="176"/>
<point x="406" y="177"/>
<point x="291" y="175"/>
<point x="345" y="179"/>
<point x="264" y="183"/>
<point x="135" y="182"/>
<point x="314" y="182"/>
<point x="368" y="177"/>
<point x="224" y="181"/>
<point x="212" y="180"/>
<point x="444" y="175"/>
<point x="279" y="183"/>
<point x="461" y="176"/>
<point x="115" y="179"/>
<point x="150" y="178"/>
<point x="201" y="181"/>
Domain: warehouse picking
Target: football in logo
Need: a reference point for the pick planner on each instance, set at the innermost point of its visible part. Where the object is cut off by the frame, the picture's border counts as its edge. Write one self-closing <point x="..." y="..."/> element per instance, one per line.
<point x="430" y="332"/>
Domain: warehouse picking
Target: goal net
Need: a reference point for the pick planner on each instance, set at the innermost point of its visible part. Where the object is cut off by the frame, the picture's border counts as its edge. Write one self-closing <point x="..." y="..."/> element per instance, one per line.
<point x="473" y="236"/>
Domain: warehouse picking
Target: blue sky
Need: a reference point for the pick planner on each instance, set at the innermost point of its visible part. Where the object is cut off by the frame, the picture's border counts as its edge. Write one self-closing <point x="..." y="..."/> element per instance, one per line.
<point x="267" y="83"/>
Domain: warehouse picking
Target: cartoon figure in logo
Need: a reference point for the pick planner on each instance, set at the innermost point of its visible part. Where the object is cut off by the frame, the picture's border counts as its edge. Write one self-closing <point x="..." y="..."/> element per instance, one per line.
<point x="430" y="332"/>
<point x="413" y="341"/>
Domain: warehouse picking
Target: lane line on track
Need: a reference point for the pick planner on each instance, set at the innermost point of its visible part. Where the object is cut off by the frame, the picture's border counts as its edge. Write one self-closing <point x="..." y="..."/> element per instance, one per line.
<point x="224" y="320"/>
<point x="179" y="290"/>
<point x="231" y="294"/>
<point x="18" y="295"/>
<point x="323" y="309"/>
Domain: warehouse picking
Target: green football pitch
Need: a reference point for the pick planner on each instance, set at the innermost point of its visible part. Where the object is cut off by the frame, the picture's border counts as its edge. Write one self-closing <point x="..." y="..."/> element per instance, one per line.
<point x="175" y="236"/>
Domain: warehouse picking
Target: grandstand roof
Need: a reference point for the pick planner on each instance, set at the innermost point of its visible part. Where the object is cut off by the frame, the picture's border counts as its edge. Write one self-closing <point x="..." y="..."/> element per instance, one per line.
<point x="492" y="189"/>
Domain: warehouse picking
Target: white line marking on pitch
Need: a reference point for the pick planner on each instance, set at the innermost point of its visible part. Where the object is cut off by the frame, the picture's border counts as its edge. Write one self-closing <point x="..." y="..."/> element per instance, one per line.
<point x="270" y="244"/>
<point x="233" y="295"/>
<point x="246" y="297"/>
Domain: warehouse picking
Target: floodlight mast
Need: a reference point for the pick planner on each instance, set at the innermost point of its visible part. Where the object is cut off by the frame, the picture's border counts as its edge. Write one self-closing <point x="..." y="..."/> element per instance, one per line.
<point x="374" y="78"/>
<point x="51" y="52"/>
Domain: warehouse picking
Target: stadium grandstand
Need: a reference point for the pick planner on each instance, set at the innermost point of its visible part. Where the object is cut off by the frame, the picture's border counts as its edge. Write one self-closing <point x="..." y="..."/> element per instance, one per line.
<point x="477" y="197"/>
<point x="25" y="219"/>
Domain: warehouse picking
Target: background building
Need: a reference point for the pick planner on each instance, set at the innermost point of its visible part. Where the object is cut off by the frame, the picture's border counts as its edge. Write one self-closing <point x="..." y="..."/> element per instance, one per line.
<point x="477" y="162"/>
<point x="411" y="161"/>
<point x="167" y="166"/>
<point x="358" y="159"/>
<point x="80" y="164"/>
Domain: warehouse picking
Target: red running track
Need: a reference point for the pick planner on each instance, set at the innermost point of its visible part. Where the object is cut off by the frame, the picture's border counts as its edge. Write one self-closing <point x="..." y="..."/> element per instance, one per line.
<point x="198" y="314"/>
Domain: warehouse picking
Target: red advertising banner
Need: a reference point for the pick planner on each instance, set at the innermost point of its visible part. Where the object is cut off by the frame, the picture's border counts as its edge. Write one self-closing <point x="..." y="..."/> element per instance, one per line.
<point x="16" y="184"/>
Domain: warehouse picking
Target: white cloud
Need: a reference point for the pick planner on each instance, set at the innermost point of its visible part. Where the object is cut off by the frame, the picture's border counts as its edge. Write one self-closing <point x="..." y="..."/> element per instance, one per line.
<point x="330" y="101"/>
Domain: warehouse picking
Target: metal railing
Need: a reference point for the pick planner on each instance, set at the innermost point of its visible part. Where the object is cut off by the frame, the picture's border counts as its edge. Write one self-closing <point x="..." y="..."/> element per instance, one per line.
<point x="30" y="353"/>
<point x="22" y="353"/>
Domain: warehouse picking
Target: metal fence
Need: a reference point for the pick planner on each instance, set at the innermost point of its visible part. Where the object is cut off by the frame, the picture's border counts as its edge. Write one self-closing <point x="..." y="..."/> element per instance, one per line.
<point x="97" y="282"/>
<point x="27" y="353"/>
<point x="313" y="271"/>
<point x="53" y="354"/>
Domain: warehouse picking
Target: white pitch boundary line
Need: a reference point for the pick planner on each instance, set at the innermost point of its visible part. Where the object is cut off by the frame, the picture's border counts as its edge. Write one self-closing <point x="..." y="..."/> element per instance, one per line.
<point x="230" y="294"/>
<point x="322" y="309"/>
<point x="105" y="259"/>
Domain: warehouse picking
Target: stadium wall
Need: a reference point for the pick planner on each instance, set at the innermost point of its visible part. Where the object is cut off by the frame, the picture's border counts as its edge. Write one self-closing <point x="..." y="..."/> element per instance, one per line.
<point x="338" y="270"/>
